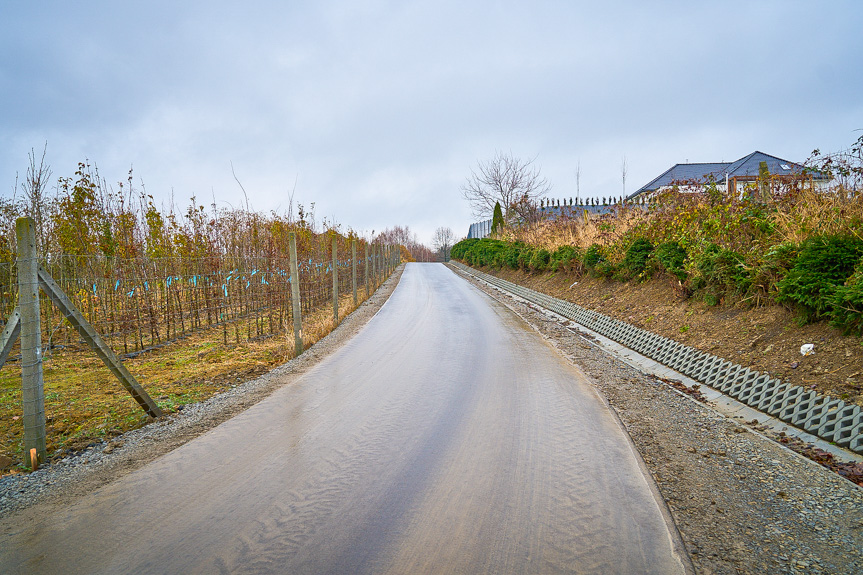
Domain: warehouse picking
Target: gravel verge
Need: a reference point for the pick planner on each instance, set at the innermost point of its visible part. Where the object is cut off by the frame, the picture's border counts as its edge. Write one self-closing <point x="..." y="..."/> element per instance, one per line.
<point x="59" y="483"/>
<point x="742" y="503"/>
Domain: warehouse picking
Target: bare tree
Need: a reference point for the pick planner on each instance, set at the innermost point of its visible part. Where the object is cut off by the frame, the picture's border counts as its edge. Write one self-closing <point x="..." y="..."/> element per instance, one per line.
<point x="442" y="242"/>
<point x="513" y="182"/>
<point x="403" y="236"/>
<point x="33" y="186"/>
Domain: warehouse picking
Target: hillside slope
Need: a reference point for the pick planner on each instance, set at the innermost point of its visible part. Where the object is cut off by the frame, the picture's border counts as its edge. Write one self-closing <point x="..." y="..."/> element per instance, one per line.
<point x="767" y="339"/>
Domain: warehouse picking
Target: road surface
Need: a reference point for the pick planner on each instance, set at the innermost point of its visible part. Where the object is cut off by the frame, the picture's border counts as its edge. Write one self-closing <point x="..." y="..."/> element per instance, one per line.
<point x="446" y="437"/>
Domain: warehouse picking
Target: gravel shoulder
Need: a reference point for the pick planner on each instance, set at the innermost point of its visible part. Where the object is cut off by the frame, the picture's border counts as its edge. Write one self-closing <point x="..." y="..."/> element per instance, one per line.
<point x="742" y="503"/>
<point x="24" y="496"/>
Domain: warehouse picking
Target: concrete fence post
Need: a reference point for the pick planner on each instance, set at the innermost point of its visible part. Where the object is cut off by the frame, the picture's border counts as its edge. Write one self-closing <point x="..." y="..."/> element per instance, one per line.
<point x="366" y="268"/>
<point x="335" y="283"/>
<point x="374" y="266"/>
<point x="32" y="386"/>
<point x="354" y="269"/>
<point x="295" y="296"/>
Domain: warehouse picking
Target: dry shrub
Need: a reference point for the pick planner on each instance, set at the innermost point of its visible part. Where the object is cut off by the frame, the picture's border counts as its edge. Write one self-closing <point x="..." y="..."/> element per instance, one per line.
<point x="808" y="212"/>
<point x="581" y="231"/>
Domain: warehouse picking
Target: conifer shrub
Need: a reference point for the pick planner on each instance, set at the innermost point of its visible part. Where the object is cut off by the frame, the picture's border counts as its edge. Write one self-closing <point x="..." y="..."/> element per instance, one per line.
<point x="722" y="270"/>
<point x="497" y="219"/>
<point x="510" y="256"/>
<point x="592" y="256"/>
<point x="719" y="271"/>
<point x="460" y="249"/>
<point x="635" y="260"/>
<point x="846" y="311"/>
<point x="605" y="269"/>
<point x="823" y="264"/>
<point x="525" y="254"/>
<point x="540" y="260"/>
<point x="671" y="257"/>
<point x="731" y="271"/>
<point x="773" y="266"/>
<point x="563" y="257"/>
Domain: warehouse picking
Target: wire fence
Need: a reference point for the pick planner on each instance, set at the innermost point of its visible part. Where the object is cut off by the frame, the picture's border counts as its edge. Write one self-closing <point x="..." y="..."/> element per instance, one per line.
<point x="138" y="304"/>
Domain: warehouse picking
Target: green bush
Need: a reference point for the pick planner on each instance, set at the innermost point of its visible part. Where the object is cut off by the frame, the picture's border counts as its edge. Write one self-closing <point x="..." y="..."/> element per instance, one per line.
<point x="497" y="219"/>
<point x="721" y="270"/>
<point x="563" y="257"/>
<point x="480" y="252"/>
<point x="847" y="303"/>
<point x="773" y="267"/>
<point x="635" y="260"/>
<point x="604" y="269"/>
<point x="731" y="272"/>
<point x="823" y="264"/>
<point x="460" y="249"/>
<point x="592" y="256"/>
<point x="524" y="256"/>
<point x="510" y="256"/>
<point x="671" y="257"/>
<point x="540" y="260"/>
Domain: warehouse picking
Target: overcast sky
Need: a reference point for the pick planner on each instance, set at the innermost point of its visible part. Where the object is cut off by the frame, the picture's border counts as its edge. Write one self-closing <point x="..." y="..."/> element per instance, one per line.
<point x="378" y="110"/>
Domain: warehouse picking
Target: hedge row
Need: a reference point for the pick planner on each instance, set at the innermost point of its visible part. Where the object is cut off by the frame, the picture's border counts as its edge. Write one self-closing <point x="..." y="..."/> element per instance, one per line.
<point x="822" y="276"/>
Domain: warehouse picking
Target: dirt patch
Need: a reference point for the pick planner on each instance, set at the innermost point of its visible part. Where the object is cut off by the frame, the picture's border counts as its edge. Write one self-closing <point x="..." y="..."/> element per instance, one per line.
<point x="766" y="339"/>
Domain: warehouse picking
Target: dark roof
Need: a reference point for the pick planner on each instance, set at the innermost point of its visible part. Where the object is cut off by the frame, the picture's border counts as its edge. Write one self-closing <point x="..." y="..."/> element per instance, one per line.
<point x="701" y="173"/>
<point x="684" y="173"/>
<point x="748" y="166"/>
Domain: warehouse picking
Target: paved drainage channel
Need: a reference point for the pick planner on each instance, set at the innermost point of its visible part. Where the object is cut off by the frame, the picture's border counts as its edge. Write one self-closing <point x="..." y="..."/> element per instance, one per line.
<point x="735" y="390"/>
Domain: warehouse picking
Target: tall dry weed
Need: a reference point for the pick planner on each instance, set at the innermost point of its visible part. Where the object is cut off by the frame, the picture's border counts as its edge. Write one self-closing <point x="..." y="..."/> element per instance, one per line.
<point x="581" y="231"/>
<point x="810" y="212"/>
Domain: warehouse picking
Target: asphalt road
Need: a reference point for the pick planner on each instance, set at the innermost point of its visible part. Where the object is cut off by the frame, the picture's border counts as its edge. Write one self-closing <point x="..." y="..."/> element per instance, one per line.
<point x="446" y="437"/>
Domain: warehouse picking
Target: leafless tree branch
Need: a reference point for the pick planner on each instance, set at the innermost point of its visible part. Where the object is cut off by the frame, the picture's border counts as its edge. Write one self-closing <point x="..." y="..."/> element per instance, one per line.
<point x="442" y="241"/>
<point x="513" y="182"/>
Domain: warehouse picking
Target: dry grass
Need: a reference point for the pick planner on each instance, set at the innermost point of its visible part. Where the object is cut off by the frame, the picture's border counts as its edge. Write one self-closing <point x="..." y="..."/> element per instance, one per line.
<point x="580" y="231"/>
<point x="84" y="403"/>
<point x="795" y="216"/>
<point x="814" y="213"/>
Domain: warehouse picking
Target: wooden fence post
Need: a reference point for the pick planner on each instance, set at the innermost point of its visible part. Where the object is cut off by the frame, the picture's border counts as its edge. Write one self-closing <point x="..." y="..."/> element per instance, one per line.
<point x="335" y="283"/>
<point x="32" y="385"/>
<point x="295" y="297"/>
<point x="354" y="269"/>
